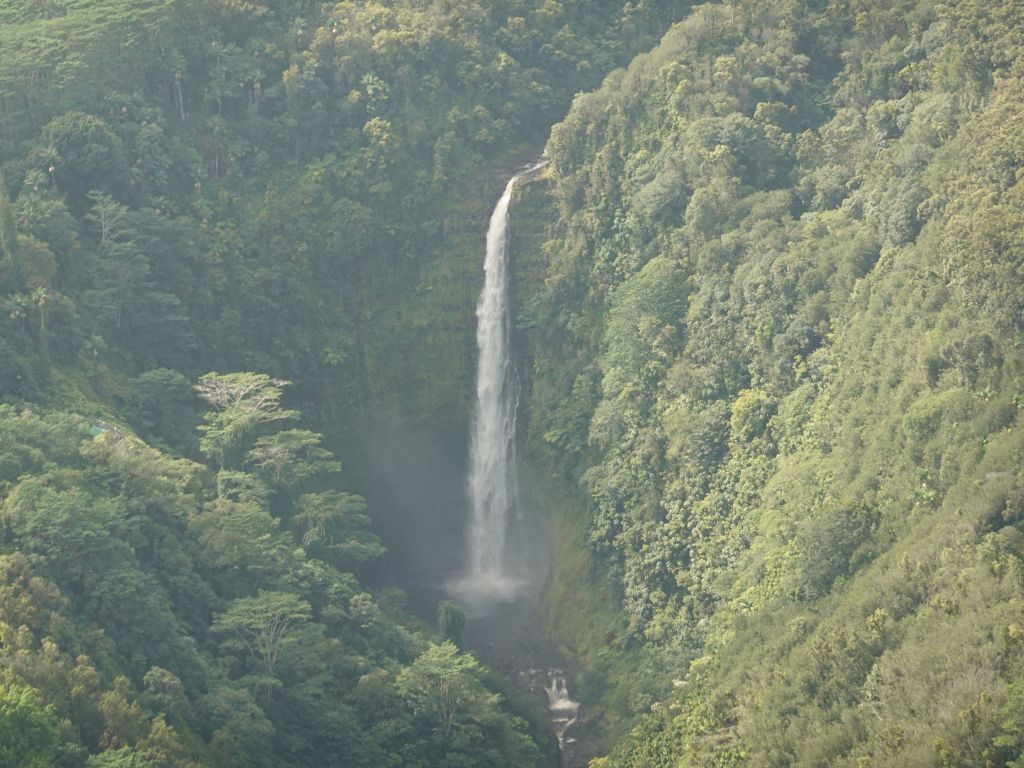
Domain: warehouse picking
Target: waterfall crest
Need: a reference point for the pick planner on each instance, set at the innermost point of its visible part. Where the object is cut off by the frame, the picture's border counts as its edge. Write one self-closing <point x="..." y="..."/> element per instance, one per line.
<point x="492" y="573"/>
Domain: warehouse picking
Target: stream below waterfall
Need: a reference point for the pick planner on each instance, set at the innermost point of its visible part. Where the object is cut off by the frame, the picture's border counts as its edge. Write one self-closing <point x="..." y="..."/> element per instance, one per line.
<point x="511" y="640"/>
<point x="564" y="713"/>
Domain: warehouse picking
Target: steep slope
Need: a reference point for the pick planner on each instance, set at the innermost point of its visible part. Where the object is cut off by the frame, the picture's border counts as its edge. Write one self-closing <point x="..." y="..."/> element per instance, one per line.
<point x="290" y="170"/>
<point x="778" y="346"/>
<point x="159" y="612"/>
<point x="244" y="186"/>
<point x="774" y="339"/>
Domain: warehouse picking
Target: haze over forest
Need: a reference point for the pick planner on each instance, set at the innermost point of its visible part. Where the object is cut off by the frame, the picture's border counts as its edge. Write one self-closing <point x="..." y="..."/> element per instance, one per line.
<point x="511" y="383"/>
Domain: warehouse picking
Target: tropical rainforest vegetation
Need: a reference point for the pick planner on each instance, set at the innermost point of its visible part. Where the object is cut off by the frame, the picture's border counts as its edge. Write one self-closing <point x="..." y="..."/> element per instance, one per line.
<point x="193" y="187"/>
<point x="770" y="310"/>
<point x="778" y="344"/>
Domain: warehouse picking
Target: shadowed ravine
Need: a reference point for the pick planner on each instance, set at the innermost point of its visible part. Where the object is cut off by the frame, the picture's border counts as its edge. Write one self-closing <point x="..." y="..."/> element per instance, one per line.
<point x="498" y="567"/>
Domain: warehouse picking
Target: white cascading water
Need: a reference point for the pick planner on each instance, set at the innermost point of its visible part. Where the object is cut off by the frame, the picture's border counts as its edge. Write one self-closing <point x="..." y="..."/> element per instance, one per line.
<point x="564" y="713"/>
<point x="490" y="576"/>
<point x="492" y="487"/>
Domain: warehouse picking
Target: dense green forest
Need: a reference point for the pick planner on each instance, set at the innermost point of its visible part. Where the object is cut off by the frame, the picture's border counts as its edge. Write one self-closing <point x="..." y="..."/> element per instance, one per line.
<point x="777" y="329"/>
<point x="257" y="188"/>
<point x="770" y="314"/>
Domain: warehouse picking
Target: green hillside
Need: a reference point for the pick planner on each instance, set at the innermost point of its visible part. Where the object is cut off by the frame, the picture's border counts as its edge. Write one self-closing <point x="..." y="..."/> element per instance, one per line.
<point x="769" y="326"/>
<point x="778" y="346"/>
<point x="262" y="189"/>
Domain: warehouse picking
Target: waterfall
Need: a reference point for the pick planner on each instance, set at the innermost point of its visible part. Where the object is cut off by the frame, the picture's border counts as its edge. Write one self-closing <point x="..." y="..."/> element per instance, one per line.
<point x="492" y="487"/>
<point x="492" y="573"/>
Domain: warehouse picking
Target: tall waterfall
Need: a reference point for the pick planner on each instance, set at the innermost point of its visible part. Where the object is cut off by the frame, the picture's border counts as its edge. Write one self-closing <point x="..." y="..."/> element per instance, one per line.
<point x="492" y="573"/>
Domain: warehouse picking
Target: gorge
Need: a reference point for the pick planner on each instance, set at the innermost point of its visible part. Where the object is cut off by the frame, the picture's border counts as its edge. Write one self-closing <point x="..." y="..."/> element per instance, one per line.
<point x="741" y="377"/>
